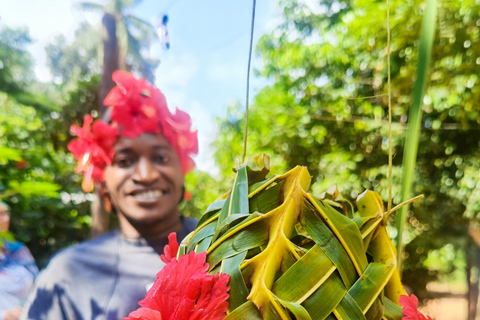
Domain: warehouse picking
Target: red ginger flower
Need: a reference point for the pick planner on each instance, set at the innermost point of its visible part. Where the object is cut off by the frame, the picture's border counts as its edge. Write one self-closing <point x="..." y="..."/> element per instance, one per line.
<point x="410" y="308"/>
<point x="137" y="106"/>
<point x="93" y="149"/>
<point x="184" y="290"/>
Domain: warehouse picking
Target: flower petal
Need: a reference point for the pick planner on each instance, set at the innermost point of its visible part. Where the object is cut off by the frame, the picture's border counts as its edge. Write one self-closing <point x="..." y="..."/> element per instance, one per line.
<point x="144" y="314"/>
<point x="171" y="249"/>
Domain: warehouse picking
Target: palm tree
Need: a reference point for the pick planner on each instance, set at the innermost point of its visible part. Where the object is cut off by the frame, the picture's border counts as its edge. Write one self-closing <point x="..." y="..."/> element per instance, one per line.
<point x="124" y="36"/>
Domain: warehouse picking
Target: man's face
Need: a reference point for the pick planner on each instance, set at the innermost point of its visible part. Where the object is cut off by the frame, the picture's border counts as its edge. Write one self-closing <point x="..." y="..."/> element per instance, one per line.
<point x="145" y="180"/>
<point x="4" y="219"/>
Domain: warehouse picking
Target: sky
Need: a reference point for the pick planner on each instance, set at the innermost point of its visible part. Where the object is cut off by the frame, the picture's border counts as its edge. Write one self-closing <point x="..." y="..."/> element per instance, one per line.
<point x="205" y="68"/>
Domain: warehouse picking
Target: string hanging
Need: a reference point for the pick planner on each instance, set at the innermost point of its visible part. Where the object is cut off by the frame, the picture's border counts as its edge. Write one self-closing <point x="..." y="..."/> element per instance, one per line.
<point x="248" y="82"/>
<point x="390" y="152"/>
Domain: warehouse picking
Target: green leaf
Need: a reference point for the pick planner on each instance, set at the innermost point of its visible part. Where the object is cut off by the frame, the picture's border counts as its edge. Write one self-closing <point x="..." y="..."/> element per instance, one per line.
<point x="206" y="230"/>
<point x="91" y="6"/>
<point x="346" y="231"/>
<point x="5" y="236"/>
<point x="246" y="311"/>
<point x="298" y="311"/>
<point x="326" y="298"/>
<point x="304" y="277"/>
<point x="146" y="29"/>
<point x="326" y="240"/>
<point x="231" y="267"/>
<point x="237" y="200"/>
<point x="7" y="154"/>
<point x="29" y="188"/>
<point x="392" y="310"/>
<point x="427" y="36"/>
<point x="370" y="284"/>
<point x="348" y="309"/>
<point x="245" y="238"/>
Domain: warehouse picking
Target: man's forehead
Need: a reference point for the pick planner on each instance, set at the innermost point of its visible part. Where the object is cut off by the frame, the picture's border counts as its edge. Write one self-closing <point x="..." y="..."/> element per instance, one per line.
<point x="153" y="141"/>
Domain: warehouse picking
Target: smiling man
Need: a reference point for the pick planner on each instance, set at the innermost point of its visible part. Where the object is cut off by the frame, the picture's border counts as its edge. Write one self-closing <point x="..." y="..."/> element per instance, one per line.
<point x="139" y="159"/>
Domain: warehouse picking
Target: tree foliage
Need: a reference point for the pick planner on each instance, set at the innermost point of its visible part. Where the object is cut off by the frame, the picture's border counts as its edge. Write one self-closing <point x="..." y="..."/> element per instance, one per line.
<point x="79" y="60"/>
<point x="34" y="164"/>
<point x="14" y="61"/>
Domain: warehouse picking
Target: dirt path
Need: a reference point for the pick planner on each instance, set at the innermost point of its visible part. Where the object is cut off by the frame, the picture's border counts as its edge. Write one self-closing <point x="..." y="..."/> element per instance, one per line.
<point x="451" y="303"/>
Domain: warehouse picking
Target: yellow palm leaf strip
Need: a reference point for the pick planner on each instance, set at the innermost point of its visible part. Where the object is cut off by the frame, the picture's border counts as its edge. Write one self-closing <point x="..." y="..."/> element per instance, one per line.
<point x="383" y="251"/>
<point x="238" y="229"/>
<point x="266" y="264"/>
<point x="369" y="227"/>
<point x="381" y="247"/>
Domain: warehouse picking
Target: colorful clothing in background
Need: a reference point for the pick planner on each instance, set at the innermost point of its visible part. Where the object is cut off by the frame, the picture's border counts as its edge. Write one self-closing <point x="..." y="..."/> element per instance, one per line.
<point x="17" y="274"/>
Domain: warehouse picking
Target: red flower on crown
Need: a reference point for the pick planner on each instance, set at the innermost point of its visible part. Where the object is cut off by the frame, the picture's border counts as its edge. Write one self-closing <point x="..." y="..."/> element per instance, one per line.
<point x="410" y="308"/>
<point x="177" y="132"/>
<point x="93" y="149"/>
<point x="184" y="290"/>
<point x="137" y="107"/>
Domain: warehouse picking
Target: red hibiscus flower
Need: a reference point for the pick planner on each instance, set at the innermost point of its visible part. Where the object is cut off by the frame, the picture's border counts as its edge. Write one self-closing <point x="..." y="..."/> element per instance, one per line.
<point x="93" y="149"/>
<point x="145" y="314"/>
<point x="171" y="249"/>
<point x="177" y="132"/>
<point x="184" y="290"/>
<point x="410" y="308"/>
<point x="137" y="106"/>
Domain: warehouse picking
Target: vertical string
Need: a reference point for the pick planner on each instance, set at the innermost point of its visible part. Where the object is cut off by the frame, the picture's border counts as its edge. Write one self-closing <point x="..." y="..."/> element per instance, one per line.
<point x="248" y="83"/>
<point x="390" y="152"/>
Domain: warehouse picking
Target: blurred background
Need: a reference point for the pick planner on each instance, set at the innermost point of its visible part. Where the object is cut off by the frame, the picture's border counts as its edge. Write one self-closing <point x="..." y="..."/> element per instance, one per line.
<point x="318" y="98"/>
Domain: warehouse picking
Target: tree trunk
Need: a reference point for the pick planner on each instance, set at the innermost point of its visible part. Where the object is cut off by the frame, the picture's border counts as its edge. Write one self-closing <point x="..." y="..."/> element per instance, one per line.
<point x="110" y="56"/>
<point x="101" y="218"/>
<point x="473" y="265"/>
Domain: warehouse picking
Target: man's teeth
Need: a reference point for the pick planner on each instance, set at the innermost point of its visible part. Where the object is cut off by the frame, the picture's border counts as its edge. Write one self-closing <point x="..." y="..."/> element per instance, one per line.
<point x="149" y="194"/>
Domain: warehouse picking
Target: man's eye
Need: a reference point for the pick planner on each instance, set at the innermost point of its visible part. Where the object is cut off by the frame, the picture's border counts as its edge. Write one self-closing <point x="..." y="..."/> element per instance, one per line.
<point x="160" y="159"/>
<point x="124" y="162"/>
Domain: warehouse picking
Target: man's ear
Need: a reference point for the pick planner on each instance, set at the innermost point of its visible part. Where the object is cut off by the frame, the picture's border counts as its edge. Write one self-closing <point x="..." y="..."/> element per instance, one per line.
<point x="102" y="188"/>
<point x="103" y="196"/>
<point x="183" y="195"/>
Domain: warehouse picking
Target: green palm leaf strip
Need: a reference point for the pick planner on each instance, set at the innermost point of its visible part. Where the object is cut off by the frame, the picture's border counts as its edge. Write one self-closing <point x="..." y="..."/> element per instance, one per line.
<point x="427" y="36"/>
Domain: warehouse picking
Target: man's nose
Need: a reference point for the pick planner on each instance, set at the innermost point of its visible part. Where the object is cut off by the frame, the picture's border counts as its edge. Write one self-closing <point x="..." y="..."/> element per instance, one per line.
<point x="145" y="171"/>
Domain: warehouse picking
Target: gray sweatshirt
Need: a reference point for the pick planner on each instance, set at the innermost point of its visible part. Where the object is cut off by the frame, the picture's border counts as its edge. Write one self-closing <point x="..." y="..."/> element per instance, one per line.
<point x="104" y="278"/>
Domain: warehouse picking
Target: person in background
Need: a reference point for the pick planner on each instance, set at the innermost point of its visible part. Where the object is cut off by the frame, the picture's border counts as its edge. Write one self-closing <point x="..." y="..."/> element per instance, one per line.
<point x="17" y="270"/>
<point x="139" y="159"/>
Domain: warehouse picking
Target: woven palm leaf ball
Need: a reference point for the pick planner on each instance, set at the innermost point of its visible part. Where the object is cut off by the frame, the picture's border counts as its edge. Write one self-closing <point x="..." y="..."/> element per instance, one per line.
<point x="291" y="255"/>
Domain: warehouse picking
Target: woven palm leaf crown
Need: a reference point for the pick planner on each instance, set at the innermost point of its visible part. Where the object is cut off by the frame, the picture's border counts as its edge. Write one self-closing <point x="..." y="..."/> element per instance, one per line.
<point x="291" y="255"/>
